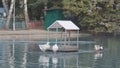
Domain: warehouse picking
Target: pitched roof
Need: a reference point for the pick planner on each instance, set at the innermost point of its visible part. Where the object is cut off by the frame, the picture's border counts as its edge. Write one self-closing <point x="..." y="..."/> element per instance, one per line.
<point x="66" y="24"/>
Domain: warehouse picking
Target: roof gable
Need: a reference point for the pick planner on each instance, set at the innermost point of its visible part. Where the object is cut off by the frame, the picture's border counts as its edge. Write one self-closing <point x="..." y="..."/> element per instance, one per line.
<point x="66" y="24"/>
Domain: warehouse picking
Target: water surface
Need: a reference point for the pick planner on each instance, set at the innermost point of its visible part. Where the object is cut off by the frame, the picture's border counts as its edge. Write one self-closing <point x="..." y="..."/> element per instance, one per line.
<point x="26" y="54"/>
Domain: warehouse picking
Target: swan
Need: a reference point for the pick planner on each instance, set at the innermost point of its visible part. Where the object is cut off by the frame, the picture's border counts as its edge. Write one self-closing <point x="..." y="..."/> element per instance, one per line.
<point x="44" y="47"/>
<point x="55" y="48"/>
<point x="48" y="45"/>
<point x="98" y="47"/>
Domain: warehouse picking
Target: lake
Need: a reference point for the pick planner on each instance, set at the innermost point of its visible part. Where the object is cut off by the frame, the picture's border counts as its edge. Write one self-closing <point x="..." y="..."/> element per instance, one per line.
<point x="26" y="54"/>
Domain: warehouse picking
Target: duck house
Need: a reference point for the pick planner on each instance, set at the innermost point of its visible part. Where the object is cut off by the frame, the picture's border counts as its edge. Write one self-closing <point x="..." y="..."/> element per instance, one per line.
<point x="66" y="28"/>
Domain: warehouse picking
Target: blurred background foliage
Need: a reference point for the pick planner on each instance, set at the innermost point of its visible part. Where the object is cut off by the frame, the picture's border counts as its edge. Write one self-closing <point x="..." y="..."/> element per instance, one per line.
<point x="89" y="15"/>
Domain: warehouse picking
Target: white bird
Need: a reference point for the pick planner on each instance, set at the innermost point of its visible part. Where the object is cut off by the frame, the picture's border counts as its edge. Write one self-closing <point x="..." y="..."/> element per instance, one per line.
<point x="48" y="45"/>
<point x="44" y="47"/>
<point x="55" y="48"/>
<point x="98" y="47"/>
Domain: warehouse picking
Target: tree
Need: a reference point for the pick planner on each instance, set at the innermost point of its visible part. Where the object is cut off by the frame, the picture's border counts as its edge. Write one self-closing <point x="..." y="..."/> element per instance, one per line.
<point x="79" y="9"/>
<point x="5" y="4"/>
<point x="91" y="14"/>
<point x="9" y="14"/>
<point x="26" y="13"/>
<point x="35" y="9"/>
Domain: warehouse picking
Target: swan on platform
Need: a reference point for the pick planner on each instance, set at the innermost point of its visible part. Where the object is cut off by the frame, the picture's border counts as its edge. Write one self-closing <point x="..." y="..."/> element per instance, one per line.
<point x="55" y="48"/>
<point x="44" y="47"/>
<point x="98" y="47"/>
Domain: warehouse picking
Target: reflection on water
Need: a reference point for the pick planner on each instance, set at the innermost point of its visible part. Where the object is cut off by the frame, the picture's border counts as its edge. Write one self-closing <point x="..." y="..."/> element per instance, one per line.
<point x="54" y="60"/>
<point x="22" y="54"/>
<point x="44" y="61"/>
<point x="98" y="55"/>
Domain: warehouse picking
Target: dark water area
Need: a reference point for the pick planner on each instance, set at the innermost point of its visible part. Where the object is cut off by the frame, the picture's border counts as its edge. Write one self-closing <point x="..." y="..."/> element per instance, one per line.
<point x="26" y="54"/>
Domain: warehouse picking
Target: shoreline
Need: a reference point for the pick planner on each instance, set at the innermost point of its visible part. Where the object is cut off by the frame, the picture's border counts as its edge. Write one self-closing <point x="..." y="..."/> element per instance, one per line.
<point x="32" y="34"/>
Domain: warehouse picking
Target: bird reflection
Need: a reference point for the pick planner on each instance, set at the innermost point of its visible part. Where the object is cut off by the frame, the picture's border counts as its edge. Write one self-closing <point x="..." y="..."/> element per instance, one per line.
<point x="55" y="61"/>
<point x="44" y="61"/>
<point x="98" y="55"/>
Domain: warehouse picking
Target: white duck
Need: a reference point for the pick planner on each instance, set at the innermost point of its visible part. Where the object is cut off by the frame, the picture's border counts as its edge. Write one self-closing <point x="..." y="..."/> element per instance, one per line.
<point x="55" y="48"/>
<point x="44" y="47"/>
<point x="98" y="47"/>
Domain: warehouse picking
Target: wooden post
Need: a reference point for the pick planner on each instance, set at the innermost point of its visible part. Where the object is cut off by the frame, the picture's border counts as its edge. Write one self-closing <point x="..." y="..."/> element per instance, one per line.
<point x="69" y="39"/>
<point x="56" y="35"/>
<point x="77" y="38"/>
<point x="65" y="40"/>
<point x="48" y="35"/>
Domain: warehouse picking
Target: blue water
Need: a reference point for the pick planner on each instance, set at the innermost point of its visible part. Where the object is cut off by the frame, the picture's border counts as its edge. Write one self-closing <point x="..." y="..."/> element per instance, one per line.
<point x="26" y="54"/>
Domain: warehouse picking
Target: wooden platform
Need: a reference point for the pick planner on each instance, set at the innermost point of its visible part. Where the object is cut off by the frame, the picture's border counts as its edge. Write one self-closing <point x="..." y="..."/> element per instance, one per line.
<point x="66" y="48"/>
